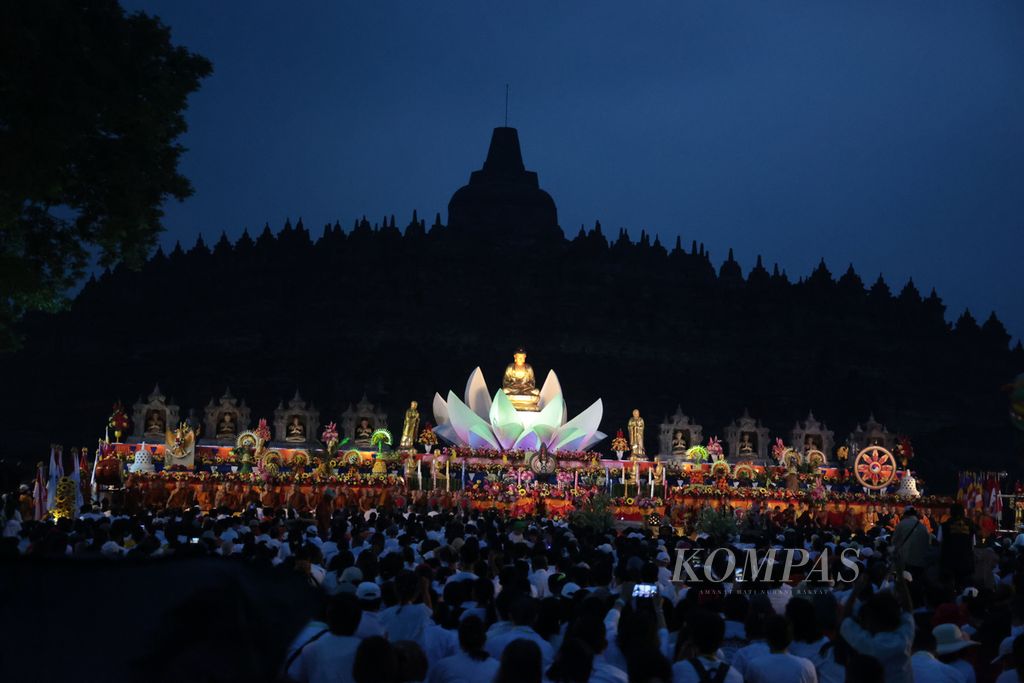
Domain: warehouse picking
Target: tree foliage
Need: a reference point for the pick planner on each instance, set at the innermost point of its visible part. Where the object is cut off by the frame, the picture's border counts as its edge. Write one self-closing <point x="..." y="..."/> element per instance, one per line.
<point x="91" y="107"/>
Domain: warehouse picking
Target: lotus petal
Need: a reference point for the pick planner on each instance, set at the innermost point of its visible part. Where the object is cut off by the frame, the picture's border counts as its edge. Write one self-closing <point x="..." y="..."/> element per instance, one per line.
<point x="478" y="398"/>
<point x="551" y="415"/>
<point x="589" y="443"/>
<point x="501" y="411"/>
<point x="507" y="434"/>
<point x="440" y="410"/>
<point x="447" y="433"/>
<point x="586" y="422"/>
<point x="549" y="390"/>
<point x="462" y="418"/>
<point x="546" y="434"/>
<point x="480" y="436"/>
<point x="569" y="440"/>
<point x="528" y="441"/>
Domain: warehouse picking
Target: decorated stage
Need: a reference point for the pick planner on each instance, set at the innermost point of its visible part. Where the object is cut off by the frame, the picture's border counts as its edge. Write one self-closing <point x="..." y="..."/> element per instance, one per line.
<point x="518" y="483"/>
<point x="516" y="450"/>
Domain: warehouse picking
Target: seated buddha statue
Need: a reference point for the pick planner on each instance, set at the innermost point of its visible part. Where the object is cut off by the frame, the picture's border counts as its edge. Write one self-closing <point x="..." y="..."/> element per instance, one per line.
<point x="226" y="426"/>
<point x="679" y="443"/>
<point x="296" y="431"/>
<point x="520" y="385"/>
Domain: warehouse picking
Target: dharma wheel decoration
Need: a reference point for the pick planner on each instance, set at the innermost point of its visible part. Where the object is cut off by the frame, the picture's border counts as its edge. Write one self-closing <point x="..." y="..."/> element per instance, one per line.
<point x="875" y="468"/>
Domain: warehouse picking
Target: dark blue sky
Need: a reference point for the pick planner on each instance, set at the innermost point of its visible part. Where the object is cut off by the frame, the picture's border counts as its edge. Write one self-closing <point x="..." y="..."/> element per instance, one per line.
<point x="889" y="135"/>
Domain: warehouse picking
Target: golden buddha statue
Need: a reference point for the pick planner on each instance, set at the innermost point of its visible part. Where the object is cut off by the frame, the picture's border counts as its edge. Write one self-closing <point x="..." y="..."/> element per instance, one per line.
<point x="636" y="434"/>
<point x="659" y="470"/>
<point x="410" y="427"/>
<point x="520" y="385"/>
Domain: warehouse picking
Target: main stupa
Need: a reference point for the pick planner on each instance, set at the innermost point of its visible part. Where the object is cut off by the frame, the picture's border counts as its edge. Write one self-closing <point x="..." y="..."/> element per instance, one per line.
<point x="503" y="198"/>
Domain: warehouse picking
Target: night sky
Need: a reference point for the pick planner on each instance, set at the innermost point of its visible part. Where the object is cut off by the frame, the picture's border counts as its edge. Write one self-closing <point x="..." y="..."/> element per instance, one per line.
<point x="889" y="135"/>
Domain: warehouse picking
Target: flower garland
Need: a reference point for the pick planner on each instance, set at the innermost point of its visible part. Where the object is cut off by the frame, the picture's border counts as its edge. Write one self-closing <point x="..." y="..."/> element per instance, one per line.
<point x="118" y="421"/>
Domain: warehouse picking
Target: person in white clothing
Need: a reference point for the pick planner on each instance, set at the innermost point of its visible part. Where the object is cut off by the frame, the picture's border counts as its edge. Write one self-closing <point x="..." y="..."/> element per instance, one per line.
<point x="329" y="656"/>
<point x="368" y="595"/>
<point x="591" y="631"/>
<point x="1015" y="658"/>
<point x="753" y="628"/>
<point x="926" y="667"/>
<point x="884" y="629"/>
<point x="810" y="642"/>
<point x="409" y="619"/>
<point x="707" y="630"/>
<point x="950" y="646"/>
<point x="524" y="615"/>
<point x="472" y="664"/>
<point x="778" y="665"/>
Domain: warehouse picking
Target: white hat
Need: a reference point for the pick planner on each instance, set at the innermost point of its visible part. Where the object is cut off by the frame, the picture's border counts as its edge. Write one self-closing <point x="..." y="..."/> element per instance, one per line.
<point x="569" y="589"/>
<point x="949" y="639"/>
<point x="663" y="556"/>
<point x="368" y="591"/>
<point x="606" y="548"/>
<point x="1005" y="648"/>
<point x="312" y="530"/>
<point x="352" y="575"/>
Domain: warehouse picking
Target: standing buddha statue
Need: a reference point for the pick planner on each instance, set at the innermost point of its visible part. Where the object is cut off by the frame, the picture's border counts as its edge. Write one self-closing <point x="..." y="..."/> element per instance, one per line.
<point x="636" y="435"/>
<point x="410" y="427"/>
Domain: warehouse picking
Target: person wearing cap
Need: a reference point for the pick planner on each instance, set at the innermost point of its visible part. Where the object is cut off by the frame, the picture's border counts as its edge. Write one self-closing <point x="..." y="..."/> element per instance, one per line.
<point x="925" y="665"/>
<point x="950" y="648"/>
<point x="368" y="594"/>
<point x="1011" y="653"/>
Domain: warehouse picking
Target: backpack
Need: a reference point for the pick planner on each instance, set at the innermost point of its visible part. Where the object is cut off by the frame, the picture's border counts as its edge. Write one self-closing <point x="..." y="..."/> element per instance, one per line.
<point x="706" y="676"/>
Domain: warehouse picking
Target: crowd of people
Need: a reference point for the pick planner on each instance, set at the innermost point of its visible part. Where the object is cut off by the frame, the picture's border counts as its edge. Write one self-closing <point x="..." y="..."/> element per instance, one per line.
<point x="419" y="593"/>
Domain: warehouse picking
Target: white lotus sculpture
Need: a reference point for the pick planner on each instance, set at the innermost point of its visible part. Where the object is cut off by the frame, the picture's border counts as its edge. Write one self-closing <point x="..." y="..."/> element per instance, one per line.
<point x="479" y="421"/>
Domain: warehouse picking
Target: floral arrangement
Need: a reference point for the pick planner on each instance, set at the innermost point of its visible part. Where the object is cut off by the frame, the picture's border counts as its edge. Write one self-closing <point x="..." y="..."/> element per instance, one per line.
<point x="118" y="421"/>
<point x="904" y="450"/>
<point x="330" y="434"/>
<point x="619" y="443"/>
<point x="427" y="436"/>
<point x="564" y="477"/>
<point x="714" y="448"/>
<point x="263" y="430"/>
<point x="779" y="450"/>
